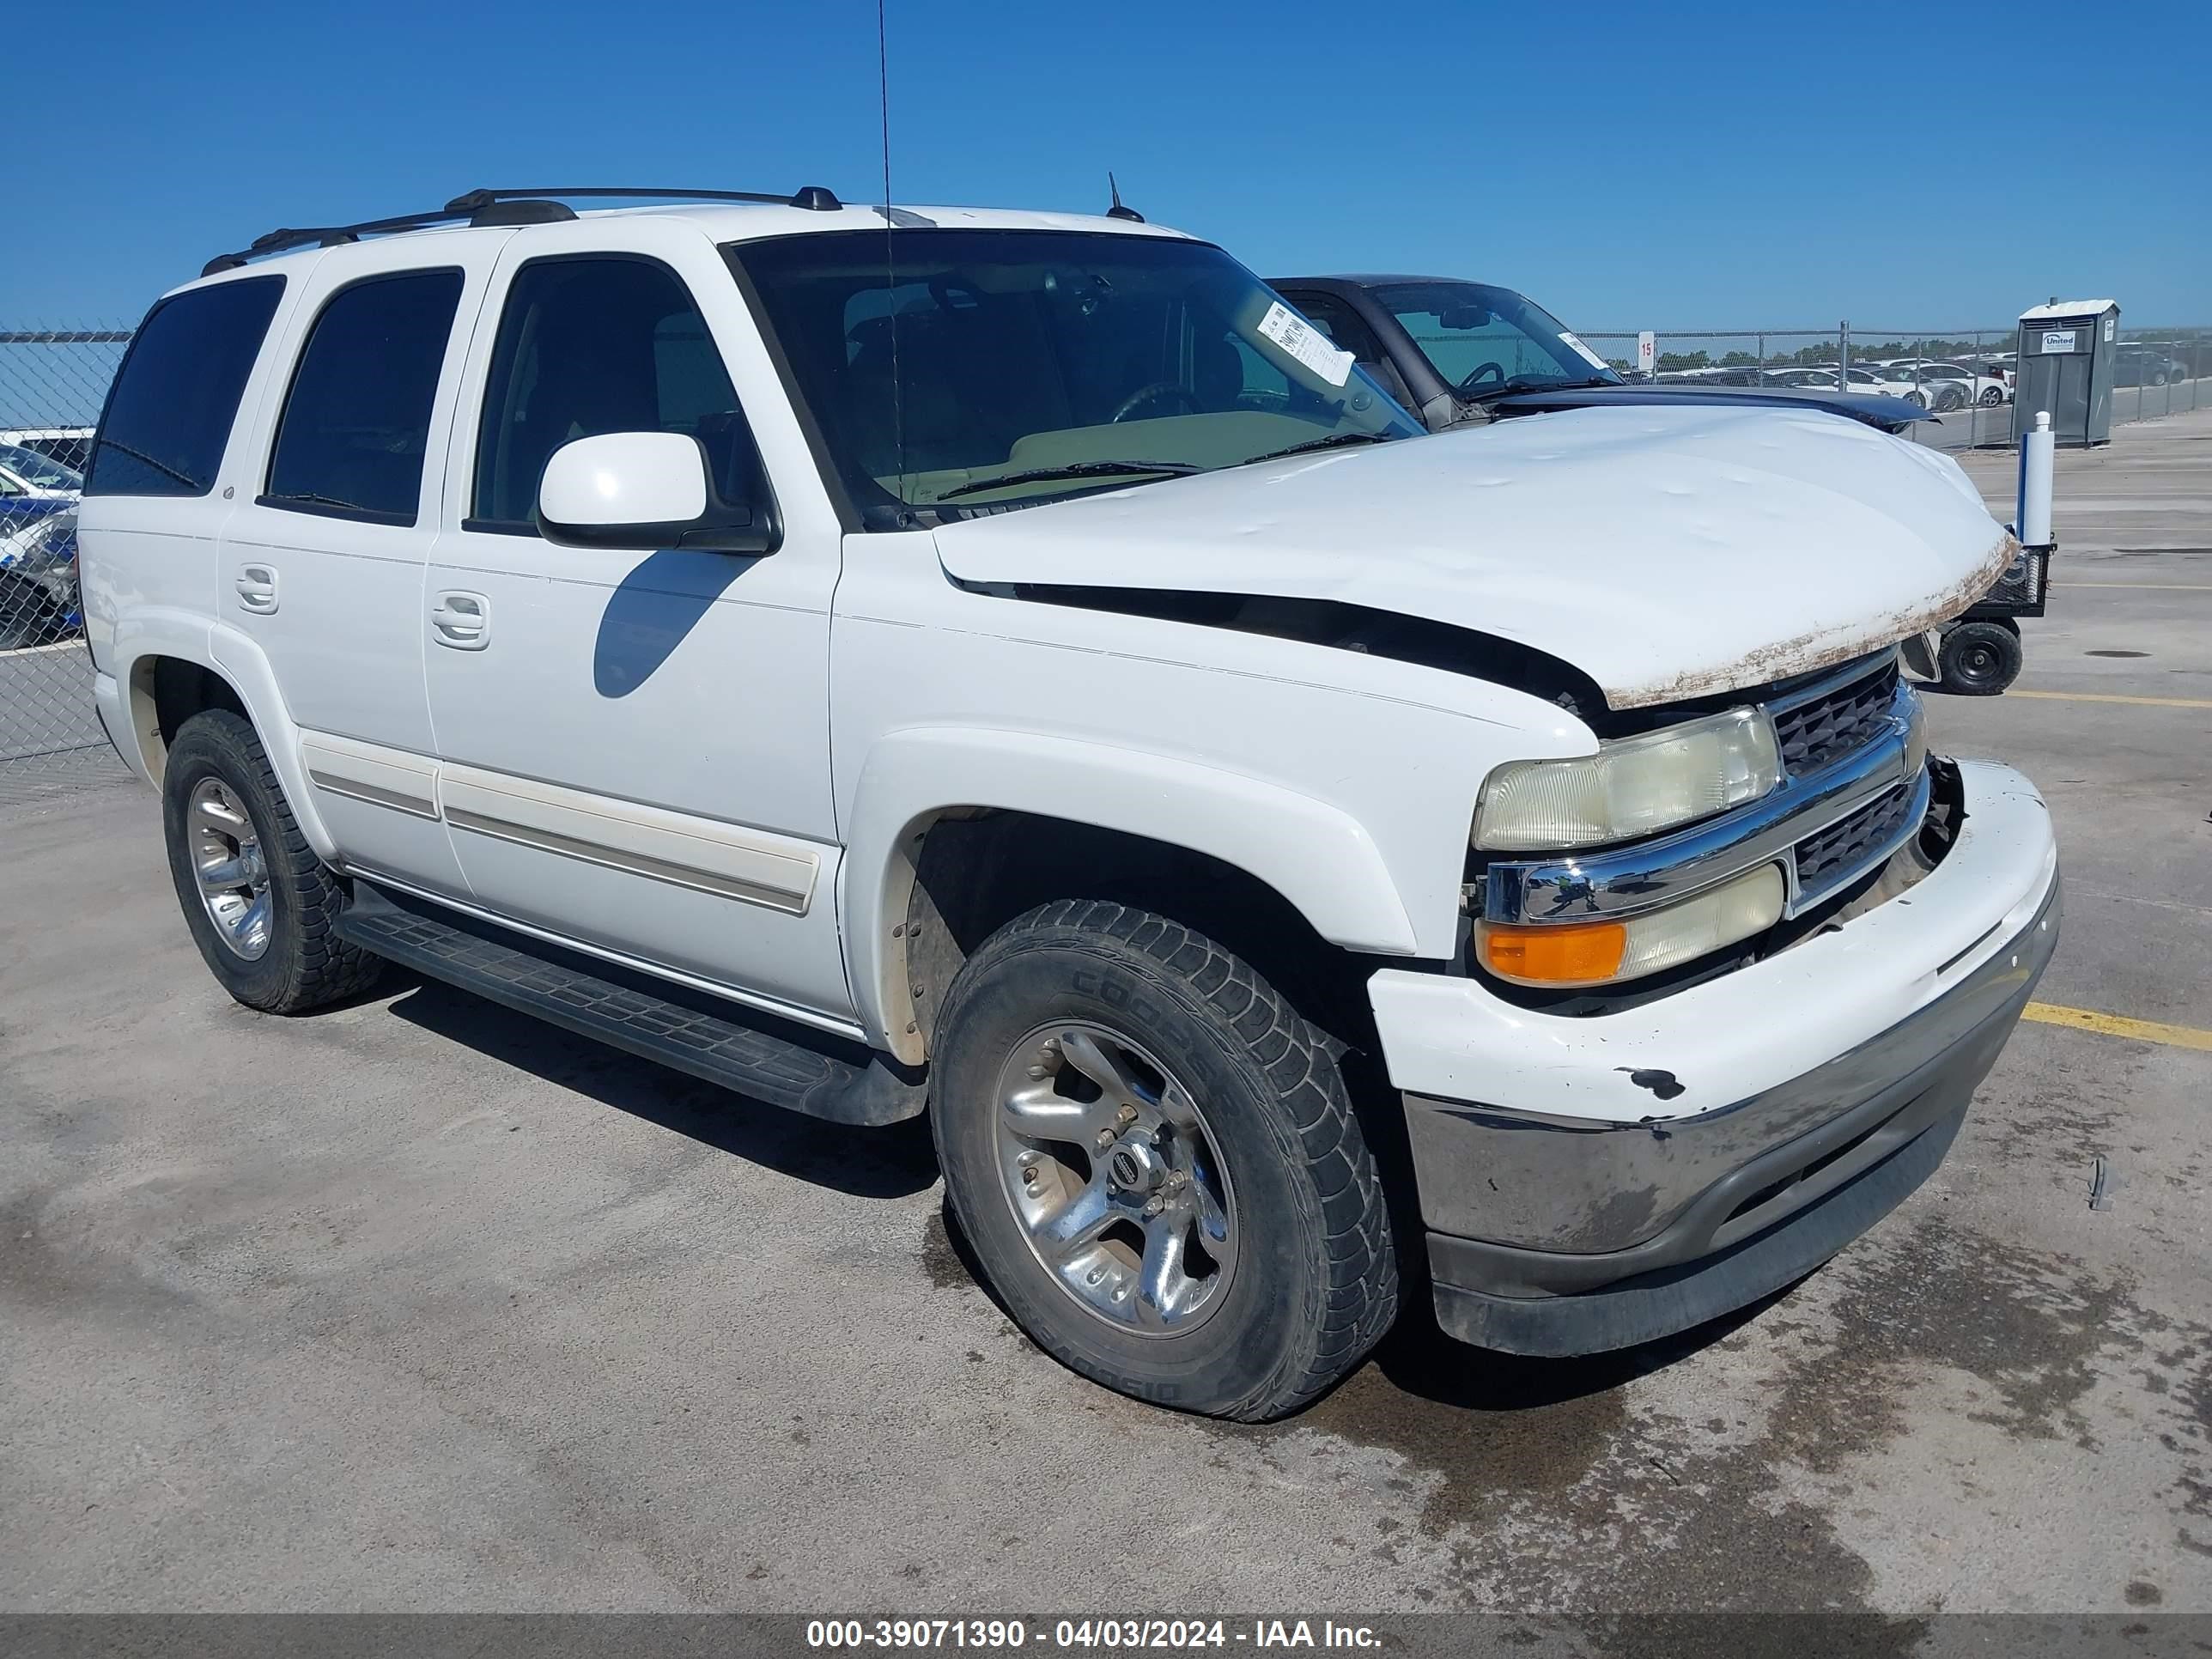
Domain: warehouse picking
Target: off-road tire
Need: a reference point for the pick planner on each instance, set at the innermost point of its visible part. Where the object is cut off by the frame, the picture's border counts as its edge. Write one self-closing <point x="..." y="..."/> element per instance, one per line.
<point x="1317" y="1283"/>
<point x="306" y="964"/>
<point x="1980" y="658"/>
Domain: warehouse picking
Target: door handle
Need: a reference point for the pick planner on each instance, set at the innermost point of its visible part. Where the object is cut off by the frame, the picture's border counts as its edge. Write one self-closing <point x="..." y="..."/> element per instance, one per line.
<point x="462" y="621"/>
<point x="256" y="587"/>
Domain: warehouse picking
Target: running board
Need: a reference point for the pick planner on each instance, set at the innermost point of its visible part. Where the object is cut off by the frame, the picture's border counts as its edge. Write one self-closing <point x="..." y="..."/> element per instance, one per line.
<point x="603" y="1001"/>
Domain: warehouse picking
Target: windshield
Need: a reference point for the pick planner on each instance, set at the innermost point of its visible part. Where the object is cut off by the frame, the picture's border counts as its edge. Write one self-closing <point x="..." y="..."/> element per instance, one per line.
<point x="1482" y="339"/>
<point x="39" y="471"/>
<point x="1010" y="367"/>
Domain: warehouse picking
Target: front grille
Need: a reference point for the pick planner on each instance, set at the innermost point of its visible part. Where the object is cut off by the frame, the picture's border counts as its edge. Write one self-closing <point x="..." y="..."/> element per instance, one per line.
<point x="1845" y="843"/>
<point x="2021" y="583"/>
<point x="1830" y="726"/>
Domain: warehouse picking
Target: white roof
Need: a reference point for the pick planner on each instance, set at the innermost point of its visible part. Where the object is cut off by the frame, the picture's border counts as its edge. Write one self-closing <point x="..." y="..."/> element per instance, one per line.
<point x="2068" y="308"/>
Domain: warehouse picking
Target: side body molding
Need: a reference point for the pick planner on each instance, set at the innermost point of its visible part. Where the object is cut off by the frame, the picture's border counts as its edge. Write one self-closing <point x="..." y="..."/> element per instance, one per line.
<point x="1317" y="857"/>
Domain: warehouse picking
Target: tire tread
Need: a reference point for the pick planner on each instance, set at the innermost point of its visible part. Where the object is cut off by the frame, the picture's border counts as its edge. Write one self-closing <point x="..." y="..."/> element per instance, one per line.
<point x="318" y="966"/>
<point x="1359" y="1298"/>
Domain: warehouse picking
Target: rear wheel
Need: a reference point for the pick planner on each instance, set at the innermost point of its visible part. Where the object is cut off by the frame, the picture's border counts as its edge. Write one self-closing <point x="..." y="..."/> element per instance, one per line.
<point x="260" y="905"/>
<point x="1980" y="658"/>
<point x="1155" y="1161"/>
<point x="1992" y="396"/>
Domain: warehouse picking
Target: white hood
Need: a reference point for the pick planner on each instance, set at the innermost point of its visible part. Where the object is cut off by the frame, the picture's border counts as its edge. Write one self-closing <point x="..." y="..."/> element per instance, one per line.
<point x="1668" y="552"/>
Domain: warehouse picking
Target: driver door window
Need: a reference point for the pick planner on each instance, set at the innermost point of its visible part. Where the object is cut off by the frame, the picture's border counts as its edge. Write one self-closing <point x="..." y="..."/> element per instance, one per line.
<point x="596" y="345"/>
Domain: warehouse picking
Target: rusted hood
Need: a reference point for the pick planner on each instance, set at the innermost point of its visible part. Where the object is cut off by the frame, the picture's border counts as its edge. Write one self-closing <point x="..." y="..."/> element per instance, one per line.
<point x="1668" y="552"/>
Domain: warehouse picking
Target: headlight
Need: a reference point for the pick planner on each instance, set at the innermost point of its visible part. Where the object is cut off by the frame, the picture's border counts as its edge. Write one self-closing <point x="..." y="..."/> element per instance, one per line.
<point x="1600" y="952"/>
<point x="1630" y="787"/>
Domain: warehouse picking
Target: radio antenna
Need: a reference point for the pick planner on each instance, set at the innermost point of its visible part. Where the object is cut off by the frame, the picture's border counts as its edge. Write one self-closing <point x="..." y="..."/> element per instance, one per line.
<point x="890" y="275"/>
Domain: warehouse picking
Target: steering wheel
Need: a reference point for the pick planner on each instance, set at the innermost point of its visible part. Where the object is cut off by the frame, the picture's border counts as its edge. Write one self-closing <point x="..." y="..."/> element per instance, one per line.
<point x="1496" y="370"/>
<point x="1145" y="394"/>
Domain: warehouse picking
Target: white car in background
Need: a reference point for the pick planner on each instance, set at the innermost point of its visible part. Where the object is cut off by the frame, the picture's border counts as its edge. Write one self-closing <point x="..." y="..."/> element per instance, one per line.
<point x="1978" y="387"/>
<point x="1873" y="383"/>
<point x="70" y="445"/>
<point x="26" y="474"/>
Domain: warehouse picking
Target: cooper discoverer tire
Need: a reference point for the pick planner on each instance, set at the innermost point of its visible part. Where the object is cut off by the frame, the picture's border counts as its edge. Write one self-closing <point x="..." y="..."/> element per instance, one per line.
<point x="1204" y="1230"/>
<point x="260" y="905"/>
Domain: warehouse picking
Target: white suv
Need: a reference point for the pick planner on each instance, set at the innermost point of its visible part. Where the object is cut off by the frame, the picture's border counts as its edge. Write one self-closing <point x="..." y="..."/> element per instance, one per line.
<point x="1010" y="665"/>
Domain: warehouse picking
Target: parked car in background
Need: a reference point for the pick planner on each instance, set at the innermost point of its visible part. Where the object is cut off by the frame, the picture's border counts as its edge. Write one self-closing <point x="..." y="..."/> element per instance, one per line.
<point x="1979" y="385"/>
<point x="2145" y="362"/>
<point x="70" y="445"/>
<point x="1461" y="353"/>
<point x="1930" y="391"/>
<point x="39" y="599"/>
<point x="27" y="475"/>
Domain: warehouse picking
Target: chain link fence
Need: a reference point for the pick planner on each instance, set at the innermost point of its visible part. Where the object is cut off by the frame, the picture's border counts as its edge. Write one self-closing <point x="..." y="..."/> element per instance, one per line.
<point x="54" y="382"/>
<point x="1963" y="377"/>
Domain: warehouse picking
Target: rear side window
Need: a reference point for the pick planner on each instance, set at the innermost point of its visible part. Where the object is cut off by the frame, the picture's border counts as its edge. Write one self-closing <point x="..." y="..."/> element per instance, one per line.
<point x="593" y="346"/>
<point x="169" y="413"/>
<point x="356" y="422"/>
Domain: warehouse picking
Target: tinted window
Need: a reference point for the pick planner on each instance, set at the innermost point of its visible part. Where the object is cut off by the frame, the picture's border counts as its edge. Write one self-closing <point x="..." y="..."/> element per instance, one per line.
<point x="1333" y="317"/>
<point x="357" y="419"/>
<point x="587" y="346"/>
<point x="1480" y="338"/>
<point x="170" y="410"/>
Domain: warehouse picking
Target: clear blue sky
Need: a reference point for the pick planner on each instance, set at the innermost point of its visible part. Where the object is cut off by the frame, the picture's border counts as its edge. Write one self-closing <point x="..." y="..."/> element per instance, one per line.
<point x="1683" y="166"/>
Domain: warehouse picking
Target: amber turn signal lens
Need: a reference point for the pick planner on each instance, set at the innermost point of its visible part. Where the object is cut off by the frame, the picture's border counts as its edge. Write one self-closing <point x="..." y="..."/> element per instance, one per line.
<point x="1578" y="954"/>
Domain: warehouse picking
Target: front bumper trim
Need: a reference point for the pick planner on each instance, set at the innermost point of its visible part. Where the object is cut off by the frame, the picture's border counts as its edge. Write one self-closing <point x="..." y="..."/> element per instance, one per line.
<point x="1770" y="1218"/>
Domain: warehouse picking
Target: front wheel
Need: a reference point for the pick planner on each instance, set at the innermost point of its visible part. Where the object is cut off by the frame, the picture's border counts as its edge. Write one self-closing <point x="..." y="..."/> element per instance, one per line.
<point x="1156" y="1162"/>
<point x="1980" y="658"/>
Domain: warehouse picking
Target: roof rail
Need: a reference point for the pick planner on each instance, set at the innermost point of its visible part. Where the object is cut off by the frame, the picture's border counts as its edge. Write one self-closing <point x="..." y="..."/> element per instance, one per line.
<point x="504" y="207"/>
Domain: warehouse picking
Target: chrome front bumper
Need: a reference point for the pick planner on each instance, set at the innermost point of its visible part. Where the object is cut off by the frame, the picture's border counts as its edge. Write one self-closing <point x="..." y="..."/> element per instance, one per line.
<point x="1593" y="1182"/>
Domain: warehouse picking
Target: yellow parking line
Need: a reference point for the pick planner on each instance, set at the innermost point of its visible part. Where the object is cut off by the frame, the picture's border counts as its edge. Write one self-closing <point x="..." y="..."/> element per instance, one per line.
<point x="2144" y="1031"/>
<point x="2114" y="696"/>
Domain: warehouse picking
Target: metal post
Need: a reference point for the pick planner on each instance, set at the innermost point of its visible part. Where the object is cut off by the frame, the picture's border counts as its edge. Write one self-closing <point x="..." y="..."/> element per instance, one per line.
<point x="1843" y="355"/>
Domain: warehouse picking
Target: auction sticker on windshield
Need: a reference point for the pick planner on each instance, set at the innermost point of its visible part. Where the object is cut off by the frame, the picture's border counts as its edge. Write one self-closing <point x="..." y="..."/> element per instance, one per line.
<point x="1587" y="356"/>
<point x="1307" y="343"/>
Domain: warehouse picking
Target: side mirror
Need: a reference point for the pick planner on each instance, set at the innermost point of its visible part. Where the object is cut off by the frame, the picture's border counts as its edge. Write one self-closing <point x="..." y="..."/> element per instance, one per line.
<point x="647" y="489"/>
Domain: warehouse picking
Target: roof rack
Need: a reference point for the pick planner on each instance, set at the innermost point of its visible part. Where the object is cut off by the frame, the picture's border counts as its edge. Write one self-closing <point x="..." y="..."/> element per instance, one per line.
<point x="506" y="207"/>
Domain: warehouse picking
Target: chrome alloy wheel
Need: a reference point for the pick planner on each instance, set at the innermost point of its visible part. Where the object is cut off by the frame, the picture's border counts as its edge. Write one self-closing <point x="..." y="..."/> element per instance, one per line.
<point x="1114" y="1178"/>
<point x="226" y="860"/>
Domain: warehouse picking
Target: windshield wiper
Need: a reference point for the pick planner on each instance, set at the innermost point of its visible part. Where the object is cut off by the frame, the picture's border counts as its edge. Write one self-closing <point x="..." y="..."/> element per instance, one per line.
<point x="1530" y="383"/>
<point x="1077" y="470"/>
<point x="1334" y="441"/>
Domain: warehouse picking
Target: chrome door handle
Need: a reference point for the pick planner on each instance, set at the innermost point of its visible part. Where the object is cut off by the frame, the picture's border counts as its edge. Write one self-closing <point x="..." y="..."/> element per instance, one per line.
<point x="462" y="621"/>
<point x="256" y="587"/>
